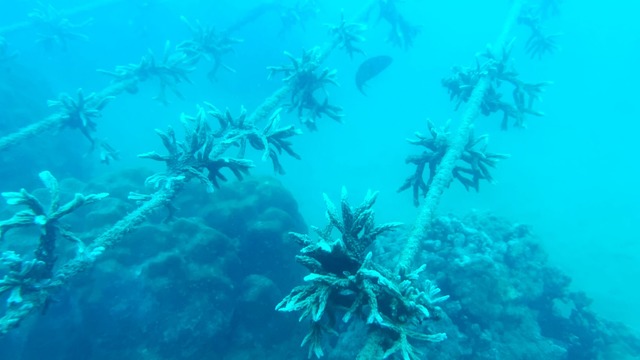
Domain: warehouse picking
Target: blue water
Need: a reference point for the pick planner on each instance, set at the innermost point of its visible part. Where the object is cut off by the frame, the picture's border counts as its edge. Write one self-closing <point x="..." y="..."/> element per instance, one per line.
<point x="571" y="177"/>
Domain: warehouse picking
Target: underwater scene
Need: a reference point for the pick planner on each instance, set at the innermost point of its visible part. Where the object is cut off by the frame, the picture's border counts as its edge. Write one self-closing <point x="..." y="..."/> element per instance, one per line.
<point x="319" y="179"/>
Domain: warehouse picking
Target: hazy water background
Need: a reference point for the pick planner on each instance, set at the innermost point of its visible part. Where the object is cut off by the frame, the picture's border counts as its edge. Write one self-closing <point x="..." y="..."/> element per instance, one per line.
<point x="573" y="174"/>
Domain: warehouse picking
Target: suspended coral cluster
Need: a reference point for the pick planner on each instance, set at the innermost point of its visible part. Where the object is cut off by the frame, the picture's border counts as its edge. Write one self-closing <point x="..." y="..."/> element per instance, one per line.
<point x="475" y="161"/>
<point x="345" y="283"/>
<point x="397" y="307"/>
<point x="499" y="69"/>
<point x="305" y="82"/>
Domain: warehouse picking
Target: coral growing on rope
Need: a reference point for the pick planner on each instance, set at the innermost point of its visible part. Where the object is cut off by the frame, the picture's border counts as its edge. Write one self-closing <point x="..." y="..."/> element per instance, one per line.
<point x="200" y="155"/>
<point x="304" y="82"/>
<point x="209" y="44"/>
<point x="80" y="113"/>
<point x="402" y="33"/>
<point x="172" y="69"/>
<point x="475" y="161"/>
<point x="538" y="44"/>
<point x="29" y="277"/>
<point x="500" y="70"/>
<point x="345" y="283"/>
<point x="56" y="30"/>
<point x="347" y="34"/>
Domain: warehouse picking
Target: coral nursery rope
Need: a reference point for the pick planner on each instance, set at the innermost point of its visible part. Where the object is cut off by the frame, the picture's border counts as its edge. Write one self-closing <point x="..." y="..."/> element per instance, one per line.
<point x="272" y="102"/>
<point x="57" y="121"/>
<point x="34" y="301"/>
<point x="444" y="172"/>
<point x="116" y="233"/>
<point x="373" y="349"/>
<point x="44" y="125"/>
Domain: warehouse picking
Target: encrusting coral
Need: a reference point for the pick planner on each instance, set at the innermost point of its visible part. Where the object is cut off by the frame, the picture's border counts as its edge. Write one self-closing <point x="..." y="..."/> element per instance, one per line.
<point x="345" y="283"/>
<point x="474" y="162"/>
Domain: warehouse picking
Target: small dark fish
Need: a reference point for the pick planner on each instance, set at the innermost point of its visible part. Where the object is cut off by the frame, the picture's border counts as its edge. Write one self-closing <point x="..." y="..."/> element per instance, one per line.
<point x="370" y="68"/>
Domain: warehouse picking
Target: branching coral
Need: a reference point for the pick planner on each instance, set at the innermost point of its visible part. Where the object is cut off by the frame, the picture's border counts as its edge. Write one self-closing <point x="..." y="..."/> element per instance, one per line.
<point x="402" y="33"/>
<point x="272" y="140"/>
<point x="304" y="82"/>
<point x="538" y="44"/>
<point x="32" y="275"/>
<point x="56" y="30"/>
<point x="209" y="44"/>
<point x="199" y="156"/>
<point x="347" y="34"/>
<point x="345" y="283"/>
<point x="171" y="70"/>
<point x="80" y="113"/>
<point x="22" y="276"/>
<point x="499" y="69"/>
<point x="475" y="161"/>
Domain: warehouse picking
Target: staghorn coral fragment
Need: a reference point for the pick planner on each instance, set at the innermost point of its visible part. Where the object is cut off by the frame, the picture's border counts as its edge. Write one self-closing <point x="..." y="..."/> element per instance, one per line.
<point x="200" y="155"/>
<point x="272" y="140"/>
<point x="499" y="68"/>
<point x="356" y="225"/>
<point x="346" y="284"/>
<point x="81" y="112"/>
<point x="304" y="83"/>
<point x="22" y="274"/>
<point x="39" y="215"/>
<point x="46" y="282"/>
<point x="402" y="32"/>
<point x="347" y="34"/>
<point x="29" y="276"/>
<point x="172" y="69"/>
<point x="56" y="30"/>
<point x="539" y="43"/>
<point x="474" y="163"/>
<point x="314" y="339"/>
<point x="208" y="43"/>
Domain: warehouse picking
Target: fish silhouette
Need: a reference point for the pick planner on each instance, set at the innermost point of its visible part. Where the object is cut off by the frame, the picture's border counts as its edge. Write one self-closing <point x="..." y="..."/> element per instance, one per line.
<point x="370" y="68"/>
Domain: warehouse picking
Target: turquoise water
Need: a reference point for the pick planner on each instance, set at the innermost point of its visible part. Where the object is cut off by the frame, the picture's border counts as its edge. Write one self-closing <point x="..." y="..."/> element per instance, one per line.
<point x="570" y="177"/>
